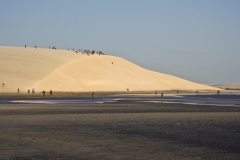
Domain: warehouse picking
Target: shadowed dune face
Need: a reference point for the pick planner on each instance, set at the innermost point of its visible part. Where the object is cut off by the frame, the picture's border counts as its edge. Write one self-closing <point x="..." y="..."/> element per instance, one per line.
<point x="59" y="70"/>
<point x="23" y="67"/>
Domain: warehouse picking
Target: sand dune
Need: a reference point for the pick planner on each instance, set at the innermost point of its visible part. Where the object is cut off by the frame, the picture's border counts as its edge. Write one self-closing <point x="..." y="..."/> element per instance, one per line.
<point x="61" y="70"/>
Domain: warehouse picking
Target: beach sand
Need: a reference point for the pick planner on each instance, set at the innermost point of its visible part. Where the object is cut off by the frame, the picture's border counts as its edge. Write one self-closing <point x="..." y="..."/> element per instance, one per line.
<point x="119" y="131"/>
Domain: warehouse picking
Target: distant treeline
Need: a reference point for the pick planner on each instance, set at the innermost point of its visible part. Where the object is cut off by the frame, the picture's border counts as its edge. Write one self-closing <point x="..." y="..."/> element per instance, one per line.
<point x="237" y="89"/>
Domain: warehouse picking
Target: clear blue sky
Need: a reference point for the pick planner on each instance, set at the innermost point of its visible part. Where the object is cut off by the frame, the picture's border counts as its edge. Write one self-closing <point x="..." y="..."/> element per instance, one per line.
<point x="198" y="40"/>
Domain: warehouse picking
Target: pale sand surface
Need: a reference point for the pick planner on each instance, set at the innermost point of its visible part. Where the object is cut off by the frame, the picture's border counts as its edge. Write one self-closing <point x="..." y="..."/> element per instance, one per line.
<point x="119" y="131"/>
<point x="61" y="70"/>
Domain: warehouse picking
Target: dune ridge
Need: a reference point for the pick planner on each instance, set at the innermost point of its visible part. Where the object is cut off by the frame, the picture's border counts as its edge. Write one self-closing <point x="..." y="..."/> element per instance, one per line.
<point x="63" y="70"/>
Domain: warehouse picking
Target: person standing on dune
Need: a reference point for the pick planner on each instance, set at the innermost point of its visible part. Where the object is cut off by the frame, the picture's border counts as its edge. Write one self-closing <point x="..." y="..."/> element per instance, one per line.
<point x="43" y="92"/>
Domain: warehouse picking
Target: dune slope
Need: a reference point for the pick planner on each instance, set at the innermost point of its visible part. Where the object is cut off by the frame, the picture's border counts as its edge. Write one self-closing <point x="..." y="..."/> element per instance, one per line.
<point x="59" y="70"/>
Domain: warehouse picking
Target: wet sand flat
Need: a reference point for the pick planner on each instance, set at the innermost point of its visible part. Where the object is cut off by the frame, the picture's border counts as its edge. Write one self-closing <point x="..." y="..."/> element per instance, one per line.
<point x="119" y="131"/>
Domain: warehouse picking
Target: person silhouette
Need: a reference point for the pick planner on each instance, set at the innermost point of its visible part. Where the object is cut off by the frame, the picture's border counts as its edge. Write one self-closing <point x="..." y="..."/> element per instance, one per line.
<point x="92" y="94"/>
<point x="161" y="96"/>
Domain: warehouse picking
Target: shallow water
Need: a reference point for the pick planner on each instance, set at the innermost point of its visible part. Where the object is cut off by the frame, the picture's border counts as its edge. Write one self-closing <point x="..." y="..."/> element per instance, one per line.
<point x="211" y="100"/>
<point x="61" y="101"/>
<point x="192" y="103"/>
<point x="228" y="97"/>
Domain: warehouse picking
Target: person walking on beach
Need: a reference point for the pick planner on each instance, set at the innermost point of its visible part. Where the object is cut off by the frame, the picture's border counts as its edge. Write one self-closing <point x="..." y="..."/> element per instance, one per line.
<point x="51" y="92"/>
<point x="3" y="85"/>
<point x="155" y="92"/>
<point x="25" y="46"/>
<point x="92" y="94"/>
<point x="161" y="96"/>
<point x="43" y="93"/>
<point x="33" y="91"/>
<point x="18" y="90"/>
<point x="29" y="91"/>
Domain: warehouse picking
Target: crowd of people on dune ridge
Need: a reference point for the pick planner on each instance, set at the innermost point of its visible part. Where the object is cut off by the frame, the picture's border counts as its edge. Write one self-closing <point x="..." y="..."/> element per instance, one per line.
<point x="85" y="51"/>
